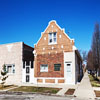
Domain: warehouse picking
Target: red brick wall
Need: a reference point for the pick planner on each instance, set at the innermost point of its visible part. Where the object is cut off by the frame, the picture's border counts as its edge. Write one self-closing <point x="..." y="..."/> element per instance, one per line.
<point x="50" y="59"/>
<point x="64" y="40"/>
<point x="43" y="49"/>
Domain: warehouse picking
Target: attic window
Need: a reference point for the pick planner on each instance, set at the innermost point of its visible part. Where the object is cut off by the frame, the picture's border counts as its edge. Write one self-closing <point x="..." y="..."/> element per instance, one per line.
<point x="52" y="38"/>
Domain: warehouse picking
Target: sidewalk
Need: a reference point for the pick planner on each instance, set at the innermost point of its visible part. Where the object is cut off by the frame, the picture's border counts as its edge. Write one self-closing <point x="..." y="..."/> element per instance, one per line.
<point x="85" y="90"/>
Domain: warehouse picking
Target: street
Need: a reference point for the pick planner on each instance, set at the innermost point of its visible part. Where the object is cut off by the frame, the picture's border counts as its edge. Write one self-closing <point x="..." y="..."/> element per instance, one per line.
<point x="32" y="97"/>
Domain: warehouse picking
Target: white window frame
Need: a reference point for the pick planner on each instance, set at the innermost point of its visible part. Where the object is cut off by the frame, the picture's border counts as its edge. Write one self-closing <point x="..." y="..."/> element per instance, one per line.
<point x="12" y="68"/>
<point x="52" y="37"/>
<point x="43" y="68"/>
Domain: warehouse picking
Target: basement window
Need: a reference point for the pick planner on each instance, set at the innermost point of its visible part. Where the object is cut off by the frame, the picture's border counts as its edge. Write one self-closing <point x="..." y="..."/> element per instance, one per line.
<point x="43" y="68"/>
<point x="57" y="67"/>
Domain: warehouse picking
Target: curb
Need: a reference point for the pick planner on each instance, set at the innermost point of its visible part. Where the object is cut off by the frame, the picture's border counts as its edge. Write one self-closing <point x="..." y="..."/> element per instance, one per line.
<point x="30" y="93"/>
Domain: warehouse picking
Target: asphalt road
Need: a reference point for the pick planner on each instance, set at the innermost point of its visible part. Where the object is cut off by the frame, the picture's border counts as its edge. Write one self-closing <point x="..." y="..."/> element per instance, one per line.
<point x="32" y="97"/>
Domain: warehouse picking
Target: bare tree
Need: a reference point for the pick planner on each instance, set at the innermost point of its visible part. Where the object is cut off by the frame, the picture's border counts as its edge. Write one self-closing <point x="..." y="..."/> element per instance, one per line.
<point x="90" y="61"/>
<point x="83" y="54"/>
<point x="96" y="48"/>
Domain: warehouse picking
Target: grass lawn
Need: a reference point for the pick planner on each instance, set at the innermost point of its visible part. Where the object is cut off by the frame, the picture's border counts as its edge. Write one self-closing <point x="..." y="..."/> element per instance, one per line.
<point x="94" y="82"/>
<point x="70" y="92"/>
<point x="36" y="89"/>
<point x="6" y="87"/>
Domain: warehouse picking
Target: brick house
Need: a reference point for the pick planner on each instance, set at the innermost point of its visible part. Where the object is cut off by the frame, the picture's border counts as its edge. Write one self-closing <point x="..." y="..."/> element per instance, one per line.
<point x="18" y="58"/>
<point x="56" y="59"/>
<point x="53" y="60"/>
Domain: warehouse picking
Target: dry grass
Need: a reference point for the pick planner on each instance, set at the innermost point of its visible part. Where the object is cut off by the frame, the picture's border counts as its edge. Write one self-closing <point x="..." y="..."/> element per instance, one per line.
<point x="94" y="81"/>
<point x="6" y="87"/>
<point x="70" y="92"/>
<point x="36" y="89"/>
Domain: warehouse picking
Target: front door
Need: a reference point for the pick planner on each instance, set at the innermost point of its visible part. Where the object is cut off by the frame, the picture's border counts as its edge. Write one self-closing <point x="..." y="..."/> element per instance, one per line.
<point x="27" y="74"/>
<point x="69" y="73"/>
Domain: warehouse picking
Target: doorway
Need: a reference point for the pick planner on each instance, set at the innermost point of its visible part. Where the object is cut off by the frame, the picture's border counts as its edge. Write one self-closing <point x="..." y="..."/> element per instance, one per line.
<point x="69" y="73"/>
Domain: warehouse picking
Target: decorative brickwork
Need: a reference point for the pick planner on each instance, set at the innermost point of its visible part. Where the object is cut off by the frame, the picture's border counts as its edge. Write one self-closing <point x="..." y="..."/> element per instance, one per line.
<point x="62" y="39"/>
<point x="52" y="54"/>
<point x="61" y="81"/>
<point x="50" y="81"/>
<point x="50" y="59"/>
<point x="39" y="80"/>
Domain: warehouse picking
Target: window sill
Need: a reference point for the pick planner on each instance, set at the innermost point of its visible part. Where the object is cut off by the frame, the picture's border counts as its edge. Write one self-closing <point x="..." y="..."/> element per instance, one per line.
<point x="57" y="71"/>
<point x="44" y="71"/>
<point x="10" y="73"/>
<point x="52" y="43"/>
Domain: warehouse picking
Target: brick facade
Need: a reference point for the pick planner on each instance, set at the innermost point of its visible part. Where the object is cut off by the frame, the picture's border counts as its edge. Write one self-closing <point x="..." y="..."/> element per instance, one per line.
<point x="52" y="54"/>
<point x="50" y="59"/>
<point x="50" y="81"/>
<point x="62" y="40"/>
<point x="61" y="81"/>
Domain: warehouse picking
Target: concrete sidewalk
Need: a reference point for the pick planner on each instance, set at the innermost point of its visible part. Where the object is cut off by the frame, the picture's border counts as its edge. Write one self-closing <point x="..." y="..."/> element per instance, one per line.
<point x="85" y="90"/>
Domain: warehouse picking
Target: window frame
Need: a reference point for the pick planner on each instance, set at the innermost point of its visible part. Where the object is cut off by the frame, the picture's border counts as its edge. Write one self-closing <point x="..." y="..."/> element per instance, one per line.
<point x="12" y="68"/>
<point x="27" y="78"/>
<point x="57" y="66"/>
<point x="52" y="37"/>
<point x="45" y="70"/>
<point x="27" y="70"/>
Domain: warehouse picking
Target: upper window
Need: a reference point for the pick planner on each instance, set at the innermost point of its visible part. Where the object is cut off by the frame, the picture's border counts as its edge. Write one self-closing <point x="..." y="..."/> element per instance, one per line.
<point x="57" y="67"/>
<point x="52" y="38"/>
<point x="10" y="68"/>
<point x="44" y="68"/>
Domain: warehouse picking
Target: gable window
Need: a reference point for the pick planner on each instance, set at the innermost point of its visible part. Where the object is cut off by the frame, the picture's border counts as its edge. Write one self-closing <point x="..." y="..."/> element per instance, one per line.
<point x="10" y="68"/>
<point x="52" y="38"/>
<point x="57" y="67"/>
<point x="43" y="68"/>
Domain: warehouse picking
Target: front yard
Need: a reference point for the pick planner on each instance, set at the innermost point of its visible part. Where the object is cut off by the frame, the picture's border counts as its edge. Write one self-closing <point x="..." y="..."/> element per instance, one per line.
<point x="94" y="82"/>
<point x="5" y="87"/>
<point x="36" y="89"/>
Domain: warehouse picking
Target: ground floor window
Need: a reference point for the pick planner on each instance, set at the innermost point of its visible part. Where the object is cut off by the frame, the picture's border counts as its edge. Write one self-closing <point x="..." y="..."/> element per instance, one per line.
<point x="27" y="78"/>
<point x="57" y="67"/>
<point x="28" y="63"/>
<point x="27" y="70"/>
<point x="43" y="68"/>
<point x="10" y="68"/>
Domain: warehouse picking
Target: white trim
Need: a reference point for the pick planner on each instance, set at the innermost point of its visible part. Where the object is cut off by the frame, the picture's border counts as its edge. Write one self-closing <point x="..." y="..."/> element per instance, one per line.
<point x="12" y="68"/>
<point x="66" y="34"/>
<point x="53" y="43"/>
<point x="50" y="77"/>
<point x="74" y="47"/>
<point x="45" y="68"/>
<point x="39" y="39"/>
<point x="47" y="28"/>
<point x="70" y="57"/>
<point x="44" y="78"/>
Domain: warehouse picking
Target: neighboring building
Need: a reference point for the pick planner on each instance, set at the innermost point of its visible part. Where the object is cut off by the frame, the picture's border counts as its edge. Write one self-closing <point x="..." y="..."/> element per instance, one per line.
<point x="53" y="60"/>
<point x="56" y="58"/>
<point x="18" y="58"/>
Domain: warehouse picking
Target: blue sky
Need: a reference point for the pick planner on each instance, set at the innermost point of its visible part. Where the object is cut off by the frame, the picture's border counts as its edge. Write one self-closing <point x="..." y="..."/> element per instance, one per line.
<point x="24" y="20"/>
